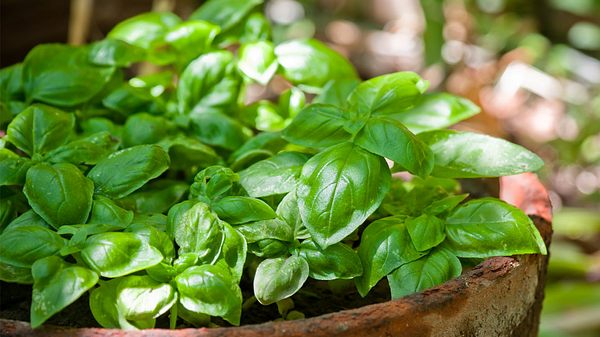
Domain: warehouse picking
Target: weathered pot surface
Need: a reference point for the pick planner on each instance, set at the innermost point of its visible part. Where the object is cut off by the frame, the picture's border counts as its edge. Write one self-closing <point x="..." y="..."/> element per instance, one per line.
<point x="500" y="297"/>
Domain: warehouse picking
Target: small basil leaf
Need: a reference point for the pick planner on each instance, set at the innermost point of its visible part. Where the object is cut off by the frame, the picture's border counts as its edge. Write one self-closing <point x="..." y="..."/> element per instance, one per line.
<point x="336" y="91"/>
<point x="11" y="82"/>
<point x="269" y="248"/>
<point x="472" y="155"/>
<point x="190" y="39"/>
<point x="118" y="254"/>
<point x="288" y="211"/>
<point x="384" y="246"/>
<point x="489" y="227"/>
<point x="143" y="128"/>
<point x="127" y="99"/>
<point x="257" y="61"/>
<point x="444" y="205"/>
<point x="435" y="268"/>
<point x="386" y="94"/>
<point x="257" y="28"/>
<point x="218" y="129"/>
<point x="105" y="211"/>
<point x="262" y="115"/>
<point x="338" y="261"/>
<point x="339" y="188"/>
<point x="266" y="229"/>
<point x="61" y="75"/>
<point x="388" y="138"/>
<point x="57" y="284"/>
<point x="291" y="102"/>
<point x="186" y="152"/>
<point x="210" y="289"/>
<point x="225" y="13"/>
<point x="154" y="237"/>
<point x="59" y="193"/>
<point x="145" y="29"/>
<point x="174" y="217"/>
<point x="155" y="197"/>
<point x="436" y="111"/>
<point x="318" y="126"/>
<point x="426" y="231"/>
<point x="276" y="175"/>
<point x="312" y="64"/>
<point x="13" y="168"/>
<point x="40" y="128"/>
<point x="127" y="170"/>
<point x="234" y="251"/>
<point x="213" y="183"/>
<point x="110" y="52"/>
<point x="141" y="298"/>
<point x="279" y="278"/>
<point x="268" y="141"/>
<point x="237" y="210"/>
<point x="199" y="231"/>
<point x="86" y="150"/>
<point x="23" y="245"/>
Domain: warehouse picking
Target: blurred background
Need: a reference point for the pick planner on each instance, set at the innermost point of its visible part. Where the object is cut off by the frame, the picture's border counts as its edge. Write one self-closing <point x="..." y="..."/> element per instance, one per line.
<point x="531" y="65"/>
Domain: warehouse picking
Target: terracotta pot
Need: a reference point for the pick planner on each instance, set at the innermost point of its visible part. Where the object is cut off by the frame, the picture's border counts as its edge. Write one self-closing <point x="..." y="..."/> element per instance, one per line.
<point x="500" y="297"/>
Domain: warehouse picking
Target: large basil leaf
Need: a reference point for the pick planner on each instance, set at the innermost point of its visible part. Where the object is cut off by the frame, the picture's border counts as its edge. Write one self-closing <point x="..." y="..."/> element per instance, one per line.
<point x="318" y="126"/>
<point x="384" y="246"/>
<point x="209" y="83"/>
<point x="276" y="175"/>
<point x="389" y="138"/>
<point x="338" y="261"/>
<point x="436" y="111"/>
<point x="23" y="245"/>
<point x="312" y="64"/>
<point x="40" y="128"/>
<point x="61" y="75"/>
<point x="237" y="210"/>
<point x="210" y="289"/>
<point x="199" y="231"/>
<point x="234" y="251"/>
<point x="145" y="29"/>
<point x="57" y="284"/>
<point x="257" y="61"/>
<point x="86" y="150"/>
<point x="279" y="278"/>
<point x="218" y="129"/>
<point x="225" y="13"/>
<point x="339" y="188"/>
<point x="117" y="254"/>
<point x="59" y="193"/>
<point x="431" y="270"/>
<point x="490" y="227"/>
<point x="472" y="155"/>
<point x="13" y="168"/>
<point x="127" y="170"/>
<point x="141" y="298"/>
<point x="105" y="211"/>
<point x="385" y="95"/>
<point x="111" y="52"/>
<point x="426" y="231"/>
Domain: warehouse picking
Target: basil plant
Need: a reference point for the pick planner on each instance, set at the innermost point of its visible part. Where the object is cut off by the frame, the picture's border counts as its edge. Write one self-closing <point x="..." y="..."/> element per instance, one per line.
<point x="165" y="194"/>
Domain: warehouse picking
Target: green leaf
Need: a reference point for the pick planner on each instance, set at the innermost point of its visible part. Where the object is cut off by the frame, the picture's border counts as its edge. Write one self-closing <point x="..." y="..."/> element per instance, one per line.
<point x="117" y="254"/>
<point x="435" y="268"/>
<point x="269" y="248"/>
<point x="266" y="229"/>
<point x="29" y="218"/>
<point x="385" y="245"/>
<point x="155" y="197"/>
<point x="145" y="29"/>
<point x="210" y="289"/>
<point x="338" y="261"/>
<point x="312" y="64"/>
<point x="279" y="278"/>
<point x="290" y="102"/>
<point x="276" y="175"/>
<point x="155" y="237"/>
<point x="143" y="128"/>
<point x="105" y="211"/>
<point x="318" y="126"/>
<point x="13" y="168"/>
<point x="110" y="52"/>
<point x="426" y="231"/>
<point x="237" y="210"/>
<point x="257" y="61"/>
<point x="218" y="129"/>
<point x="336" y="91"/>
<point x="489" y="227"/>
<point x="40" y="129"/>
<point x="209" y="84"/>
<point x="11" y="82"/>
<point x="472" y="155"/>
<point x="386" y="94"/>
<point x="23" y="245"/>
<point x="234" y="251"/>
<point x="127" y="99"/>
<point x="86" y="150"/>
<point x="213" y="183"/>
<point x="199" y="231"/>
<point x="388" y="138"/>
<point x="262" y="115"/>
<point x="267" y="141"/>
<point x="57" y="284"/>
<point x="256" y="28"/>
<point x="61" y="75"/>
<point x="59" y="193"/>
<point x="288" y="211"/>
<point x="436" y="111"/>
<point x="225" y="13"/>
<point x="186" y="152"/>
<point x="127" y="170"/>
<point x="445" y="204"/>
<point x="141" y="298"/>
<point x="12" y="274"/>
<point x="190" y="39"/>
<point x="339" y="188"/>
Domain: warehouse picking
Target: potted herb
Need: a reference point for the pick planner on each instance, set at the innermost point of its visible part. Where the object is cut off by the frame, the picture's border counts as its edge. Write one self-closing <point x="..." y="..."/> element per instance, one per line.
<point x="166" y="198"/>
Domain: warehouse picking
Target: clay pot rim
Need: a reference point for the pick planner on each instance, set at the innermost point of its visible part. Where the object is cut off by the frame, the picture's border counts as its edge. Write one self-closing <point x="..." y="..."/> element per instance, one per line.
<point x="523" y="190"/>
